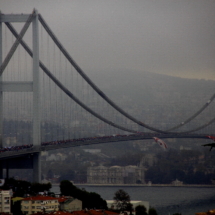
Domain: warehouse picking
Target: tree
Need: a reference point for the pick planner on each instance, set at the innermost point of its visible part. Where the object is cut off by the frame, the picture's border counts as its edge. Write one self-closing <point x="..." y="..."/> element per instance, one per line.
<point x="140" y="210"/>
<point x="38" y="187"/>
<point x="122" y="200"/>
<point x="89" y="199"/>
<point x="21" y="188"/>
<point x="16" y="208"/>
<point x="152" y="211"/>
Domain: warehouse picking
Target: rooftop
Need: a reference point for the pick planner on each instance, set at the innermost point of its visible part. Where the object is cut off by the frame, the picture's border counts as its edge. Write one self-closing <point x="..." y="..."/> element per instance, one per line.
<point x="41" y="198"/>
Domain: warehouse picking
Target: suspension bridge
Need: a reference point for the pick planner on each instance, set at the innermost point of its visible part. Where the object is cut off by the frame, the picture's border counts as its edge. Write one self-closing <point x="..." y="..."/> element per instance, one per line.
<point x="48" y="102"/>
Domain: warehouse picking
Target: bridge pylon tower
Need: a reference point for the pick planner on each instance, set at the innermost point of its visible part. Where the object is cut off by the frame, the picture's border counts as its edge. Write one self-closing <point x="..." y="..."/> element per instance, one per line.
<point x="31" y="86"/>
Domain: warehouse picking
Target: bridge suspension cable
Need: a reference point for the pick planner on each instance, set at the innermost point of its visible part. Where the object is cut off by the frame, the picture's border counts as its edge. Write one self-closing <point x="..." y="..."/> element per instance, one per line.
<point x="109" y="101"/>
<point x="87" y="79"/>
<point x="99" y="91"/>
<point x="63" y="88"/>
<point x="202" y="126"/>
<point x="195" y="115"/>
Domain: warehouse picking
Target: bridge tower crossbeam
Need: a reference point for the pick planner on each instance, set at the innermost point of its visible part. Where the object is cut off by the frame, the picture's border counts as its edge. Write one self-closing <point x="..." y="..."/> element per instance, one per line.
<point x="31" y="86"/>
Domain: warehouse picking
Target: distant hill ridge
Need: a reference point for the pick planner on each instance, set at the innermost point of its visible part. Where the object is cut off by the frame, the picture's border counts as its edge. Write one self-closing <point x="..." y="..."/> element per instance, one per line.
<point x="149" y="86"/>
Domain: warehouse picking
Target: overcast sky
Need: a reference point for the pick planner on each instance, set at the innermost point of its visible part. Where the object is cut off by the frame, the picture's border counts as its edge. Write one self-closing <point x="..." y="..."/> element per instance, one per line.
<point x="175" y="37"/>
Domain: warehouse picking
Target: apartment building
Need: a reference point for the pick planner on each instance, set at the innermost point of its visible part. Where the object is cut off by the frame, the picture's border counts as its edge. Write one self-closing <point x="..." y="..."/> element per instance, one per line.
<point x="5" y="201"/>
<point x="36" y="204"/>
<point x="68" y="203"/>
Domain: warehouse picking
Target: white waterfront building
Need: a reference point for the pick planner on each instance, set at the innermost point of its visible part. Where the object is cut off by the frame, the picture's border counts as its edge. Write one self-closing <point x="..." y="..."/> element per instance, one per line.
<point x="111" y="204"/>
<point x="115" y="175"/>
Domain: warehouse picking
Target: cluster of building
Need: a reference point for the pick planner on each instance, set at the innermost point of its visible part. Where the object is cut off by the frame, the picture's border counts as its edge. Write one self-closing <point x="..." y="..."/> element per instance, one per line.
<point x="35" y="204"/>
<point x="39" y="203"/>
<point x="115" y="175"/>
<point x="64" y="205"/>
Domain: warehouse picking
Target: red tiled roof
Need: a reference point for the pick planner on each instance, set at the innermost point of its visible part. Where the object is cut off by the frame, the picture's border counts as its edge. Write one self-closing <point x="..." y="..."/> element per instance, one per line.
<point x="110" y="212"/>
<point x="83" y="212"/>
<point x="94" y="212"/>
<point x="62" y="199"/>
<point x="53" y="213"/>
<point x="41" y="198"/>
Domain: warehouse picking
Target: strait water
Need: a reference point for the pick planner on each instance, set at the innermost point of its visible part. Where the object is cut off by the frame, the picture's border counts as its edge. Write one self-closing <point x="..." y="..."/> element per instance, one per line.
<point x="166" y="200"/>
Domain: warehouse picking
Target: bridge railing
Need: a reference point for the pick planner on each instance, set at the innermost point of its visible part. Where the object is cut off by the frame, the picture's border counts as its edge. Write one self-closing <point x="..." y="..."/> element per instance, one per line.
<point x="19" y="152"/>
<point x="91" y="141"/>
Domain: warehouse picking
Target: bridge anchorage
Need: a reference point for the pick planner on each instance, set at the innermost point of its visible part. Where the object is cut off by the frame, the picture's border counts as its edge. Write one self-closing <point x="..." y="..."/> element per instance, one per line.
<point x="28" y="156"/>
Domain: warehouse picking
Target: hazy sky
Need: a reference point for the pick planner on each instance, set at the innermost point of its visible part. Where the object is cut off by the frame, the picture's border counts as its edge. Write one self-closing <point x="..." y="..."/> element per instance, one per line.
<point x="175" y="37"/>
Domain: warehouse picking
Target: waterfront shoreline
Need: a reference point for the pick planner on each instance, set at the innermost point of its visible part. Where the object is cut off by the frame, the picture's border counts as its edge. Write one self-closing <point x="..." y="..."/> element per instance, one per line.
<point x="142" y="185"/>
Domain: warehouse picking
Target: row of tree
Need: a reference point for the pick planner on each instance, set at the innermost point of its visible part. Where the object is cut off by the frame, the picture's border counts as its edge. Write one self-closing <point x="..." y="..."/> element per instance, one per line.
<point x="22" y="188"/>
<point x="122" y="201"/>
<point x="89" y="199"/>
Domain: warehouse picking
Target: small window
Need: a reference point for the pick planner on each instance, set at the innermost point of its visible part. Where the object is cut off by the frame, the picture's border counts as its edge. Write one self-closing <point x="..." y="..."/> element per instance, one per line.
<point x="7" y="201"/>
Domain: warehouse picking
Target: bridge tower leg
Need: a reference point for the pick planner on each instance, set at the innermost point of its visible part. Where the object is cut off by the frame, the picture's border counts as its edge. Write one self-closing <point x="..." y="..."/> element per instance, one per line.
<point x="33" y="86"/>
<point x="36" y="101"/>
<point x="1" y="102"/>
<point x="37" y="167"/>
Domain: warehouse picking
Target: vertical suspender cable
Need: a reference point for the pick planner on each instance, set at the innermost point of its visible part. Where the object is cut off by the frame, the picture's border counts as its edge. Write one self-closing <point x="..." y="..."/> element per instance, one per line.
<point x="81" y="72"/>
<point x="75" y="98"/>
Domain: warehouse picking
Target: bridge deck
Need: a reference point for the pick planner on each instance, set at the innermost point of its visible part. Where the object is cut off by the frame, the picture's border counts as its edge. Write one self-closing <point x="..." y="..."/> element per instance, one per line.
<point x="92" y="141"/>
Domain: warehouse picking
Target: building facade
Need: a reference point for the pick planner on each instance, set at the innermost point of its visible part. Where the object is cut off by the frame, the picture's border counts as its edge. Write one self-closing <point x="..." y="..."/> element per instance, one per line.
<point x="36" y="204"/>
<point x="111" y="204"/>
<point x="115" y="175"/>
<point x="5" y="201"/>
<point x="70" y="204"/>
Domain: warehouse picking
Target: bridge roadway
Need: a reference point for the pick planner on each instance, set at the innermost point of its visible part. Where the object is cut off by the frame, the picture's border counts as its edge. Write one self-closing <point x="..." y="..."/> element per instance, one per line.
<point x="96" y="140"/>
